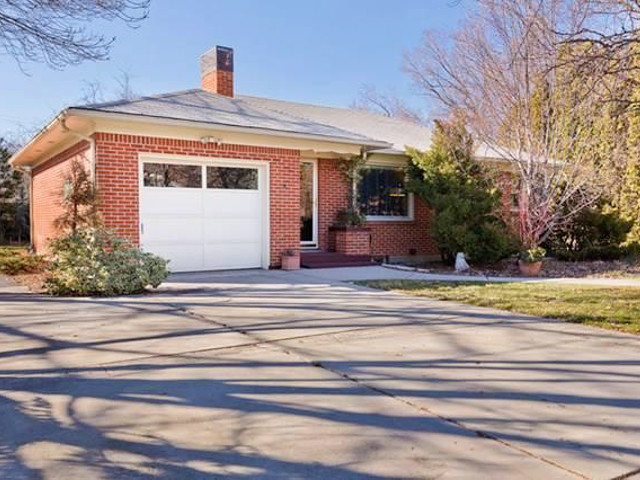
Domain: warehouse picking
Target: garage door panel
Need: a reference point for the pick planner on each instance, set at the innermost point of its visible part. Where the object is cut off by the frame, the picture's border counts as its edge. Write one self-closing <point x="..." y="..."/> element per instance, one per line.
<point x="182" y="258"/>
<point x="230" y="204"/>
<point x="231" y="230"/>
<point x="171" y="229"/>
<point x="232" y="255"/>
<point x="171" y="201"/>
<point x="204" y="228"/>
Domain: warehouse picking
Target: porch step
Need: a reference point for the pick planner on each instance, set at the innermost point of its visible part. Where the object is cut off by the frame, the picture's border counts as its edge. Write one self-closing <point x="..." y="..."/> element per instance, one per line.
<point x="333" y="260"/>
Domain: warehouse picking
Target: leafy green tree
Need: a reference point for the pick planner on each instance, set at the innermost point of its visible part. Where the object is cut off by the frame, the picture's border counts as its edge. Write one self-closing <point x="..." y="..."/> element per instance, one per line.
<point x="462" y="195"/>
<point x="13" y="201"/>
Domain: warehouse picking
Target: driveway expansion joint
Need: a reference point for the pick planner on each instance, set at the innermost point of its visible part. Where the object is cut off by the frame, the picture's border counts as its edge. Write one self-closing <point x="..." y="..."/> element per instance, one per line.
<point x="627" y="475"/>
<point x="422" y="410"/>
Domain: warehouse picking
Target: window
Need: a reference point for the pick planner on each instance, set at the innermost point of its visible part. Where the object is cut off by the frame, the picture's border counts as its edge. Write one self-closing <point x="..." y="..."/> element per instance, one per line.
<point x="236" y="178"/>
<point x="382" y="193"/>
<point x="172" y="175"/>
<point x="516" y="186"/>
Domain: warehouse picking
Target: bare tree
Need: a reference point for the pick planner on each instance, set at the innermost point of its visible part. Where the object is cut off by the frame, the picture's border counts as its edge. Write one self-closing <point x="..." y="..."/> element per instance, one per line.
<point x="125" y="89"/>
<point x="502" y="70"/>
<point x="387" y="104"/>
<point x="92" y="92"/>
<point x="53" y="32"/>
<point x="604" y="39"/>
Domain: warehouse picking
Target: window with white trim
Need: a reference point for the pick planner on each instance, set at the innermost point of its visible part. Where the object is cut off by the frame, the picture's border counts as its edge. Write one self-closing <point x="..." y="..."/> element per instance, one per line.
<point x="382" y="193"/>
<point x="168" y="175"/>
<point x="236" y="178"/>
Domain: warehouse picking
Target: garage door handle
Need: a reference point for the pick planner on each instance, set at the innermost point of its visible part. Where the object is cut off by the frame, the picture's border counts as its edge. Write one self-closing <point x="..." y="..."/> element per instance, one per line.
<point x="142" y="228"/>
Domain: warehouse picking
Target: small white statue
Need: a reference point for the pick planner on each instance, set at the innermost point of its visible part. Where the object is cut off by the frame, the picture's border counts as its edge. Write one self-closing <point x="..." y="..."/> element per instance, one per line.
<point x="461" y="263"/>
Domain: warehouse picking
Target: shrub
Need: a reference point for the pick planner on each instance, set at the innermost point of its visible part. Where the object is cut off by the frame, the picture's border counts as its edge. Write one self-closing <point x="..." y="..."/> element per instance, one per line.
<point x="462" y="196"/>
<point x="350" y="218"/>
<point x="592" y="235"/>
<point x="95" y="262"/>
<point x="14" y="261"/>
<point x="532" y="255"/>
<point x="606" y="253"/>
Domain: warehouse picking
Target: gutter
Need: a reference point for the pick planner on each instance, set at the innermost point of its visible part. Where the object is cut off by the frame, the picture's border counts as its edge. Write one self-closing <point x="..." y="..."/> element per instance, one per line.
<point x="62" y="118"/>
<point x="171" y="121"/>
<point x="37" y="136"/>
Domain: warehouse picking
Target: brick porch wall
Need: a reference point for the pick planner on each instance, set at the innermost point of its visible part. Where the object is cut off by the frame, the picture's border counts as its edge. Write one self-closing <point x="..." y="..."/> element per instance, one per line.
<point x="388" y="238"/>
<point x="117" y="175"/>
<point x="46" y="197"/>
<point x="332" y="197"/>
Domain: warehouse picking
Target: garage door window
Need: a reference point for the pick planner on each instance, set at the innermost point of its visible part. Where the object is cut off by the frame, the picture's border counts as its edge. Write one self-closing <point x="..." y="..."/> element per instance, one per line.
<point x="236" y="178"/>
<point x="172" y="175"/>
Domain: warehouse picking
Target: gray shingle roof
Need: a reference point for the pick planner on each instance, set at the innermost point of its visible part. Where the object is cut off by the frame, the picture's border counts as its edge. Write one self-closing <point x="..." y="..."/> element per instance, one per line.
<point x="355" y="126"/>
<point x="206" y="107"/>
<point x="399" y="133"/>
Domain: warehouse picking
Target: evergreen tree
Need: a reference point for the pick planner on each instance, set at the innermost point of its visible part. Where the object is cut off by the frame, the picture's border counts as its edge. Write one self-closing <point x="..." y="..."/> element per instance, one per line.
<point x="629" y="203"/>
<point x="12" y="199"/>
<point x="461" y="194"/>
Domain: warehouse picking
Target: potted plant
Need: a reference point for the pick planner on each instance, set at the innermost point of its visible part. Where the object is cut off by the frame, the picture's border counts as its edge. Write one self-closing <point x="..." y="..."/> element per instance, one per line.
<point x="291" y="259"/>
<point x="349" y="235"/>
<point x="530" y="261"/>
<point x="349" y="217"/>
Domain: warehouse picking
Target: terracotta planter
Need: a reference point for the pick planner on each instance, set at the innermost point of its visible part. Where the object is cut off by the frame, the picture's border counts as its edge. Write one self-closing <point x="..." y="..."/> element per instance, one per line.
<point x="350" y="240"/>
<point x="291" y="262"/>
<point x="530" y="269"/>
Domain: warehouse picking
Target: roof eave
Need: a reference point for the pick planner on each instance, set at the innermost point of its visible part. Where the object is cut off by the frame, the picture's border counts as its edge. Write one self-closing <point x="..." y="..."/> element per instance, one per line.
<point x="13" y="161"/>
<point x="223" y="127"/>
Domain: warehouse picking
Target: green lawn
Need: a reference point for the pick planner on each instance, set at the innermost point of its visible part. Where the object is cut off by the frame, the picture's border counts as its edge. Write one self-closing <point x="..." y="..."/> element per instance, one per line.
<point x="615" y="308"/>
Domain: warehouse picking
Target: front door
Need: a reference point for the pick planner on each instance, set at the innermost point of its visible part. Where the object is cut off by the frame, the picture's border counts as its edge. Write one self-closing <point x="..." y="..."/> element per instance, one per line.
<point x="308" y="204"/>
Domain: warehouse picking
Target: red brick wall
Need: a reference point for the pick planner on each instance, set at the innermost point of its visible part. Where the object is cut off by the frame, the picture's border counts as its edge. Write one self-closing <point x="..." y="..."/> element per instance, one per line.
<point x="352" y="241"/>
<point x="332" y="197"/>
<point x="388" y="237"/>
<point x="219" y="82"/>
<point x="506" y="181"/>
<point x="46" y="198"/>
<point x="117" y="176"/>
<point x="404" y="237"/>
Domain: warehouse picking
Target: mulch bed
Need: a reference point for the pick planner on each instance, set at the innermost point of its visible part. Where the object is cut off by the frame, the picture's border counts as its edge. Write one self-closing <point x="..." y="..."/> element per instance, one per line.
<point x="33" y="281"/>
<point x="551" y="268"/>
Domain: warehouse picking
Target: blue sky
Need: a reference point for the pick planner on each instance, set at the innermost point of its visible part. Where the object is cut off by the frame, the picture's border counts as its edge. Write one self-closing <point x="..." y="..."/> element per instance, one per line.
<point x="310" y="51"/>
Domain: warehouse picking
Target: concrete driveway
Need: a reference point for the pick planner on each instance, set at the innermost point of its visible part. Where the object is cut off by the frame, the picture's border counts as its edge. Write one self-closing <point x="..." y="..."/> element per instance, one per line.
<point x="290" y="375"/>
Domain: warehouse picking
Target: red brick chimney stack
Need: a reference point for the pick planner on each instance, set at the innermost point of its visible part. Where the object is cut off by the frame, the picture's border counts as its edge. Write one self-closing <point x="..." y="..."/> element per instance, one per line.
<point x="216" y="68"/>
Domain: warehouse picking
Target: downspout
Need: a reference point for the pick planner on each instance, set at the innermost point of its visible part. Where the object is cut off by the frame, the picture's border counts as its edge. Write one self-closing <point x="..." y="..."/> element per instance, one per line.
<point x="87" y="138"/>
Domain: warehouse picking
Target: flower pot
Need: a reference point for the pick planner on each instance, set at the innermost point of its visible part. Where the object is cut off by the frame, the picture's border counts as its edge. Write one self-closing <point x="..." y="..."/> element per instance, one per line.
<point x="291" y="262"/>
<point x="530" y="269"/>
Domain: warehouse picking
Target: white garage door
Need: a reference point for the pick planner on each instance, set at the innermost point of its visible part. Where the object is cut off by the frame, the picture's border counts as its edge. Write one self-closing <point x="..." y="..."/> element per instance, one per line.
<point x="209" y="216"/>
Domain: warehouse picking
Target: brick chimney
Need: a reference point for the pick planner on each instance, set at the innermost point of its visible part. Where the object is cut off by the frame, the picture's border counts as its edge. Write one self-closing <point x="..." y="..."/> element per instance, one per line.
<point x="216" y="68"/>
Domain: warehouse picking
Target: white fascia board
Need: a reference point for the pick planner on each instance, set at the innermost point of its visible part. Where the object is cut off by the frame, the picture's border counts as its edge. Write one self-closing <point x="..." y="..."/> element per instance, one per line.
<point x="223" y="127"/>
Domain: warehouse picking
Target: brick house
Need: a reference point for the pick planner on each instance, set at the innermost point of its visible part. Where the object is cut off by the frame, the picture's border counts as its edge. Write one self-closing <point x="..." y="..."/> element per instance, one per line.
<point x="213" y="180"/>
